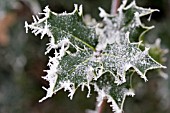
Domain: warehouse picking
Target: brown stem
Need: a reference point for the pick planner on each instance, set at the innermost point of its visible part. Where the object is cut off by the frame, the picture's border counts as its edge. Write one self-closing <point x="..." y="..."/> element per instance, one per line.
<point x="100" y="109"/>
<point x="115" y="5"/>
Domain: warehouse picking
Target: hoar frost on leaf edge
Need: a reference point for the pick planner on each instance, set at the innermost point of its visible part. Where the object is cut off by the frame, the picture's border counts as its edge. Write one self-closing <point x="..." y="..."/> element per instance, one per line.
<point x="103" y="42"/>
<point x="102" y="95"/>
<point x="53" y="63"/>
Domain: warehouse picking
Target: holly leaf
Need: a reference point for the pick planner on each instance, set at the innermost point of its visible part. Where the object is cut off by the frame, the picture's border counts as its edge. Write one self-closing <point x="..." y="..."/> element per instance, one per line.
<point x="64" y="29"/>
<point x="117" y="58"/>
<point x="71" y="65"/>
<point x="127" y="20"/>
<point x="76" y="70"/>
<point x="114" y="94"/>
<point x="119" y="54"/>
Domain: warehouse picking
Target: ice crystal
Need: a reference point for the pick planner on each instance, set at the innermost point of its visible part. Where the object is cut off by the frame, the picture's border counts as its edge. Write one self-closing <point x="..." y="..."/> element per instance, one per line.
<point x="96" y="56"/>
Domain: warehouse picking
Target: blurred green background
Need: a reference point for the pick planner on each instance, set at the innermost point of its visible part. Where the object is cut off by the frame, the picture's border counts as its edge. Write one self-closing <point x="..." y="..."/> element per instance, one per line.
<point x="22" y="61"/>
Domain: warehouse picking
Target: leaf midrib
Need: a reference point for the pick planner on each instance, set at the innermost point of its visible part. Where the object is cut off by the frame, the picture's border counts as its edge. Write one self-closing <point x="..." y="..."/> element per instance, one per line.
<point x="77" y="38"/>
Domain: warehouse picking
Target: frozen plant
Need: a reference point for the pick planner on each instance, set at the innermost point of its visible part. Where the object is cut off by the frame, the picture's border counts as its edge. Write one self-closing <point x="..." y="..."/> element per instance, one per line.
<point x="96" y="56"/>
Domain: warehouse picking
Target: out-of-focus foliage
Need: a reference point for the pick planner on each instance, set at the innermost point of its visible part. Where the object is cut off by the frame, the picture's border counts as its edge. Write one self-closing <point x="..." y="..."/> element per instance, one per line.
<point x="22" y="62"/>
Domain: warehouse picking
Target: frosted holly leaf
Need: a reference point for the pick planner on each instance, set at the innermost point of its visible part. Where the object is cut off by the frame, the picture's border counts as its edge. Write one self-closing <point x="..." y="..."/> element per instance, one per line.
<point x="68" y="36"/>
<point x="118" y="58"/>
<point x="114" y="94"/>
<point x="65" y="28"/>
<point x="127" y="20"/>
<point x="72" y="27"/>
<point x="76" y="70"/>
<point x="132" y="22"/>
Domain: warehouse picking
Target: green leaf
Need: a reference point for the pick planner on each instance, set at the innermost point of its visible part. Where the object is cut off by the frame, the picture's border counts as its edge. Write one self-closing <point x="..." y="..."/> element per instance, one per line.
<point x="115" y="94"/>
<point x="72" y="27"/>
<point x="127" y="20"/>
<point x="76" y="70"/>
<point x="65" y="28"/>
<point x="118" y="58"/>
<point x="70" y="39"/>
<point x="132" y="22"/>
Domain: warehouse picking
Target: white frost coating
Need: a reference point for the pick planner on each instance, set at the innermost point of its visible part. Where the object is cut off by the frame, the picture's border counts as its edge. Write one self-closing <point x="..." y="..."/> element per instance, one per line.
<point x="51" y="76"/>
<point x="80" y="10"/>
<point x="120" y="12"/>
<point x="127" y="92"/>
<point x="149" y="19"/>
<point x="130" y="92"/>
<point x="102" y="95"/>
<point x="102" y="13"/>
<point x="90" y="74"/>
<point x="114" y="105"/>
<point x="53" y="63"/>
<point x="47" y="12"/>
<point x="36" y="29"/>
<point x="67" y="85"/>
<point x="107" y="35"/>
<point x="99" y="72"/>
<point x="88" y="87"/>
<point x="144" y="11"/>
<point x="139" y="12"/>
<point x="124" y="2"/>
<point x="41" y="26"/>
<point x="102" y="41"/>
<point x="128" y="66"/>
<point x="52" y="45"/>
<point x="26" y="27"/>
<point x="110" y="34"/>
<point x="143" y="54"/>
<point x="138" y="22"/>
<point x="118" y="81"/>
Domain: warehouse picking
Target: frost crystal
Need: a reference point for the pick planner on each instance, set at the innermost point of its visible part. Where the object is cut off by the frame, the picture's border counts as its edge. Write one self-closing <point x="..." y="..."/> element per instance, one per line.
<point x="97" y="56"/>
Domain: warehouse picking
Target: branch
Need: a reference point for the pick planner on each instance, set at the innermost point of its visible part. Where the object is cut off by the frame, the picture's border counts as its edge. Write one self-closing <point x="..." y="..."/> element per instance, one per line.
<point x="114" y="6"/>
<point x="101" y="107"/>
